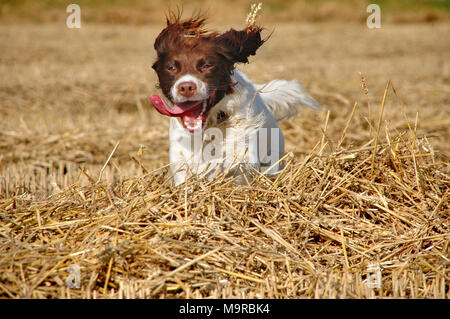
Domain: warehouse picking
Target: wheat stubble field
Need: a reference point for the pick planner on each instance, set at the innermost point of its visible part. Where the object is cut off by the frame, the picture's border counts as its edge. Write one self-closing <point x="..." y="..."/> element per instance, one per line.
<point x="84" y="178"/>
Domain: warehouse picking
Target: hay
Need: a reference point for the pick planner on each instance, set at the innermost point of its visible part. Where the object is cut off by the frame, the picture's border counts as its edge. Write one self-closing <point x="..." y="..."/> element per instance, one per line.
<point x="312" y="232"/>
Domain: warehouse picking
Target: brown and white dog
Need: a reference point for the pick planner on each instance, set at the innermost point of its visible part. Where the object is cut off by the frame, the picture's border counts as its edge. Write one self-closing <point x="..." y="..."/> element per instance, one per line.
<point x="220" y="120"/>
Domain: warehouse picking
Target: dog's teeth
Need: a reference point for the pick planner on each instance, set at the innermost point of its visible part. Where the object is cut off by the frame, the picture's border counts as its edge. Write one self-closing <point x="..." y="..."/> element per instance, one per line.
<point x="204" y="107"/>
<point x="192" y="124"/>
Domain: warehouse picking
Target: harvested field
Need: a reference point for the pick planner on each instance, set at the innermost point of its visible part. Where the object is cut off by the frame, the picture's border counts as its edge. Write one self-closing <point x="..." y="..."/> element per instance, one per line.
<point x="84" y="178"/>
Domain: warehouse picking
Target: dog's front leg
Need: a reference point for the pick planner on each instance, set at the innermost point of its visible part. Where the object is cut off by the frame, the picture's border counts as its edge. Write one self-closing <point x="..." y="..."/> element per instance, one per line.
<point x="185" y="152"/>
<point x="241" y="155"/>
<point x="180" y="152"/>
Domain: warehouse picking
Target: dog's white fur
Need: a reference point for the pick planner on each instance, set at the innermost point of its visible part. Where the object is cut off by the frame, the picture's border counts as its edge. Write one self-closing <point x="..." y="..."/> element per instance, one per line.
<point x="201" y="92"/>
<point x="248" y="110"/>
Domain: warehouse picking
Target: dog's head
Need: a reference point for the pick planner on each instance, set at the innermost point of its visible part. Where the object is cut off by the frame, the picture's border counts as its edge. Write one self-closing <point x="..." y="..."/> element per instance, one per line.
<point x="194" y="66"/>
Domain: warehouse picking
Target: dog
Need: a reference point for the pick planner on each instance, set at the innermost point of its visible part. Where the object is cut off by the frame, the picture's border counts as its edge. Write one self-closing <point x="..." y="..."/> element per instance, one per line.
<point x="220" y="121"/>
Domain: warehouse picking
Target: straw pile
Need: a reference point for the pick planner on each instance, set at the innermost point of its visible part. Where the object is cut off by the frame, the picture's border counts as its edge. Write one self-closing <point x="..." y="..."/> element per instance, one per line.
<point x="356" y="192"/>
<point x="312" y="232"/>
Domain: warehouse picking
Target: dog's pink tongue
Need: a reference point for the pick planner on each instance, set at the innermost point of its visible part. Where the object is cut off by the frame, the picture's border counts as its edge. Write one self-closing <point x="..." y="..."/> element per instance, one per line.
<point x="163" y="108"/>
<point x="191" y="121"/>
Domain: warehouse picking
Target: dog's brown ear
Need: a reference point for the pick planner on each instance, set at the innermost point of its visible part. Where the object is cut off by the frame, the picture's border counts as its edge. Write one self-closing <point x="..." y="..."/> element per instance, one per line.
<point x="237" y="46"/>
<point x="161" y="41"/>
<point x="161" y="46"/>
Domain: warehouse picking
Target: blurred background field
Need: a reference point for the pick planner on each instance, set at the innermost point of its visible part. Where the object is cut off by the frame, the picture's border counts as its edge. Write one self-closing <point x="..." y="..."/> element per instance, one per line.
<point x="68" y="97"/>
<point x="146" y="11"/>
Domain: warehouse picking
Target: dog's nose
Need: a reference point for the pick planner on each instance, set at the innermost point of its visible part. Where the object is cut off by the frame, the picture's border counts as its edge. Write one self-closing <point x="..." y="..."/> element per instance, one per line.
<point x="187" y="89"/>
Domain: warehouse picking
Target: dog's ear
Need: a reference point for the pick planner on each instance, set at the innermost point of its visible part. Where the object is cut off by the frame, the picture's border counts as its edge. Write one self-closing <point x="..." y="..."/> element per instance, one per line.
<point x="162" y="41"/>
<point x="161" y="46"/>
<point x="237" y="46"/>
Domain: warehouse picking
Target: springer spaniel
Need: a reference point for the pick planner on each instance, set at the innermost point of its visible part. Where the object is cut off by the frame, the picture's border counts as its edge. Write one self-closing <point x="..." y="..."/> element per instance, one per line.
<point x="220" y="120"/>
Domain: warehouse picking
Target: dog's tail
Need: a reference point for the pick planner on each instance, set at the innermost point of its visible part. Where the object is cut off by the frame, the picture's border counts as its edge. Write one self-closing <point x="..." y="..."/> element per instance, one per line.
<point x="283" y="97"/>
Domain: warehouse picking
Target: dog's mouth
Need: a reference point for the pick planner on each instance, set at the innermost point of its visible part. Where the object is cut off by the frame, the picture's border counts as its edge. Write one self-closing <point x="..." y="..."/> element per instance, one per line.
<point x="193" y="113"/>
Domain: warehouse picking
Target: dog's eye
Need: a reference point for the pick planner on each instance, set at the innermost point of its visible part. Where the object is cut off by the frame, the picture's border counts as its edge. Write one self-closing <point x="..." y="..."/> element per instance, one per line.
<point x="172" y="68"/>
<point x="207" y="66"/>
